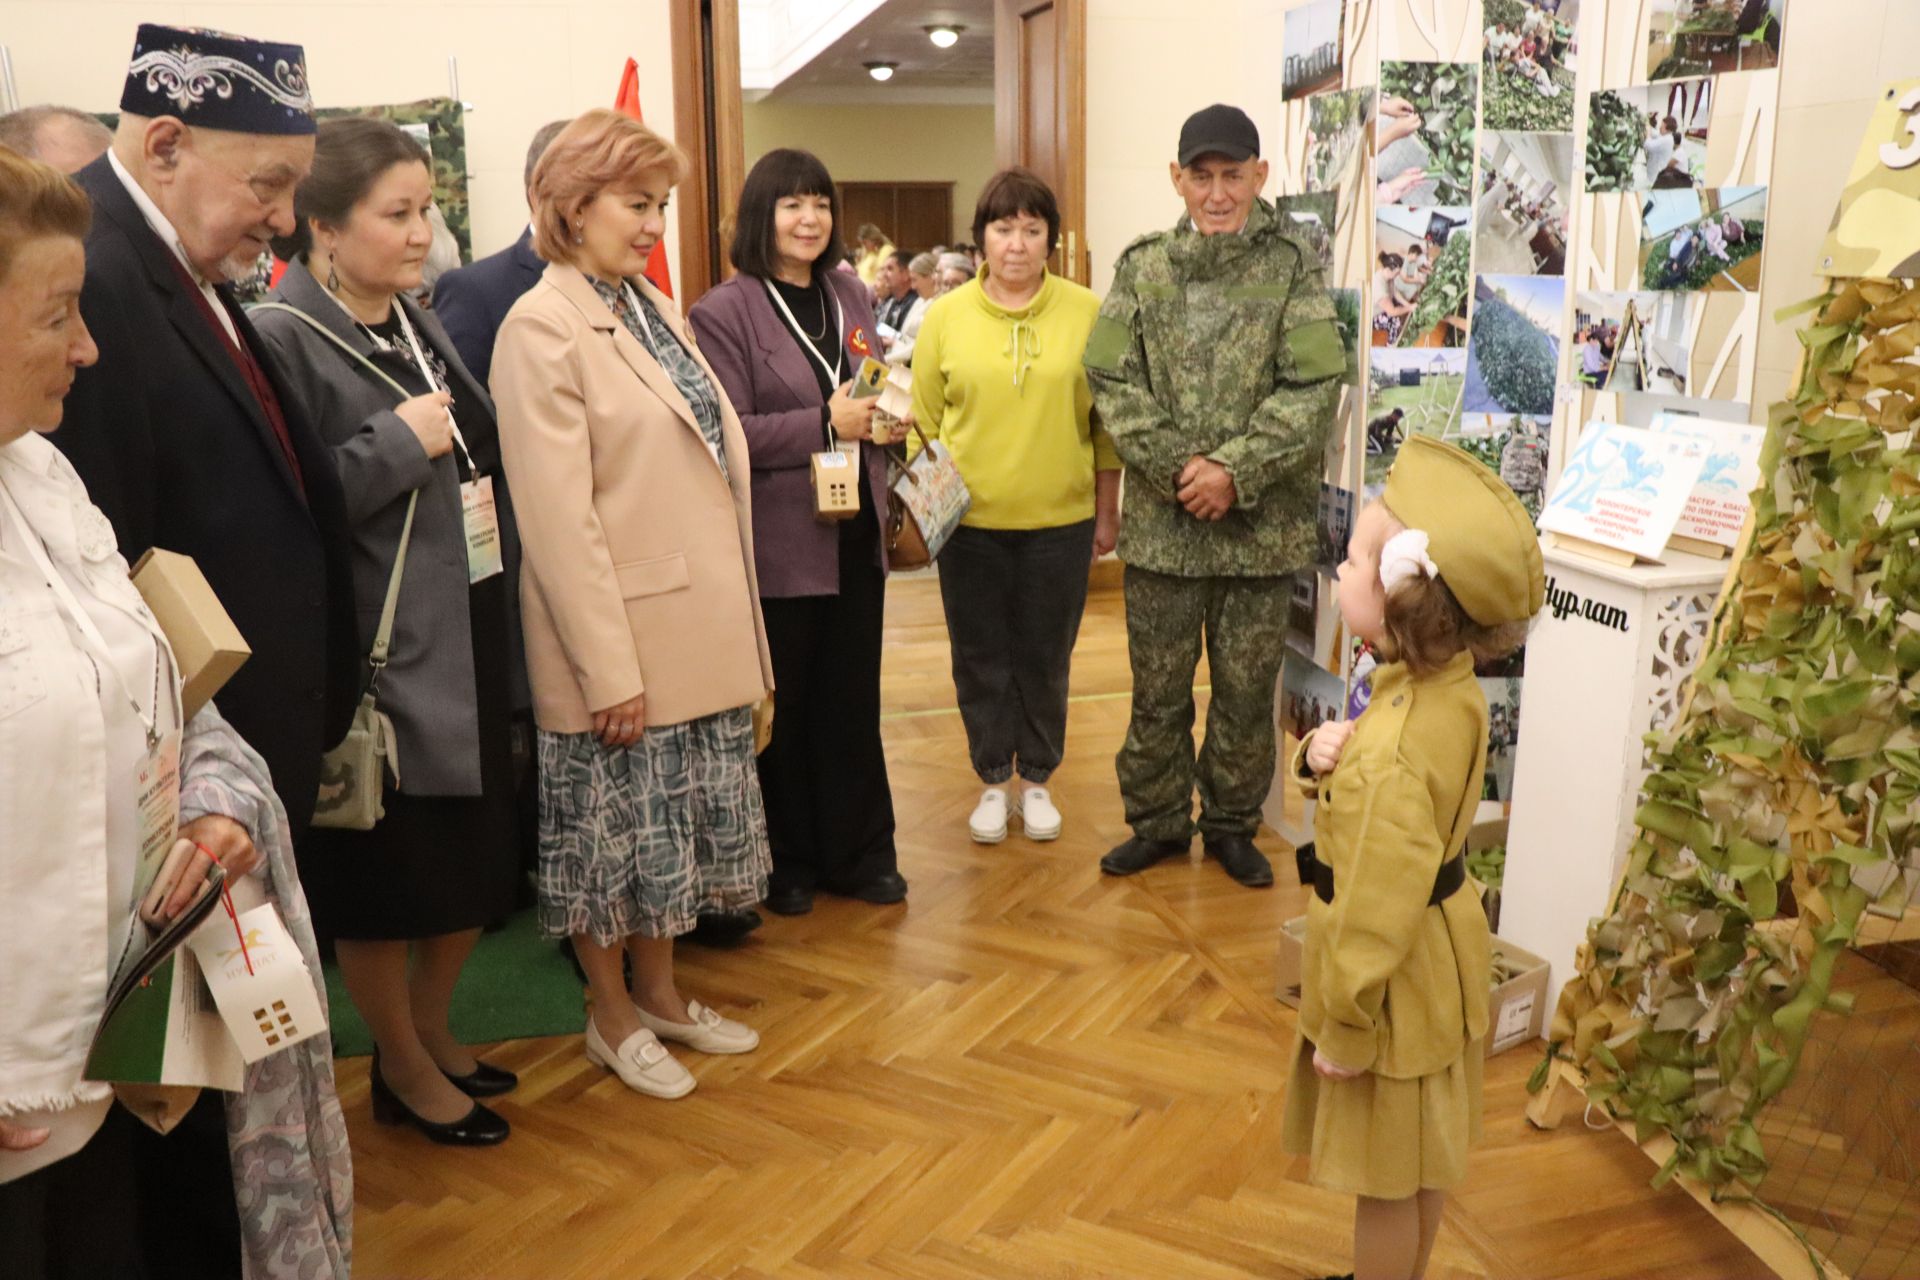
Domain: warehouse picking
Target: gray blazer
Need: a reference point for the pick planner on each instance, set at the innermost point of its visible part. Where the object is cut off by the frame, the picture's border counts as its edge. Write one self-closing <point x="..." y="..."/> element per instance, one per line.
<point x="428" y="688"/>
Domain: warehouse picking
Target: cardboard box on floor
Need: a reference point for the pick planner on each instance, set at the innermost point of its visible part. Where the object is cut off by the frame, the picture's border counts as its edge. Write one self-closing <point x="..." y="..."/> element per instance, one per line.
<point x="1516" y="1008"/>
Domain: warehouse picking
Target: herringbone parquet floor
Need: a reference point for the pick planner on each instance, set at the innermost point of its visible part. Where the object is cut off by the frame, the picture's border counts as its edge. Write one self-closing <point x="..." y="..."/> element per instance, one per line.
<point x="1026" y="1071"/>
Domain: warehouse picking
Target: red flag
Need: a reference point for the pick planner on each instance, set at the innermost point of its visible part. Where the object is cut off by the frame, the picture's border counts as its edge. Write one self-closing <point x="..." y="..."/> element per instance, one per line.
<point x="627" y="102"/>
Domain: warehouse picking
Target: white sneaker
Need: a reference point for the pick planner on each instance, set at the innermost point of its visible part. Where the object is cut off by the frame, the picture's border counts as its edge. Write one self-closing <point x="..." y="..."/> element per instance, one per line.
<point x="989" y="821"/>
<point x="643" y="1063"/>
<point x="1037" y="814"/>
<point x="707" y="1033"/>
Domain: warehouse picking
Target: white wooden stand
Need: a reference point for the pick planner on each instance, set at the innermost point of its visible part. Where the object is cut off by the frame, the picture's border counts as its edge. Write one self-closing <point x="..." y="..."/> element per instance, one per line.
<point x="1607" y="663"/>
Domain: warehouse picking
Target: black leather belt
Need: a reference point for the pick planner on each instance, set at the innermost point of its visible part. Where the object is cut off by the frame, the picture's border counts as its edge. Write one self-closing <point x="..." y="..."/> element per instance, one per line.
<point x="1446" y="883"/>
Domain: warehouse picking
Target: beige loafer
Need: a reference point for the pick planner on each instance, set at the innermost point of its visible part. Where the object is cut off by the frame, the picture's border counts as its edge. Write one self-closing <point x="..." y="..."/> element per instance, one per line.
<point x="642" y="1063"/>
<point x="707" y="1033"/>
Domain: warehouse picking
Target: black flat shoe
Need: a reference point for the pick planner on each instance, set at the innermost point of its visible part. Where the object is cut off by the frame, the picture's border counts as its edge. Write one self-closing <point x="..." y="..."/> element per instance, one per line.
<point x="1139" y="853"/>
<point x="1237" y="856"/>
<point x="478" y="1128"/>
<point x="881" y="891"/>
<point x="723" y="929"/>
<point x="789" y="900"/>
<point x="484" y="1081"/>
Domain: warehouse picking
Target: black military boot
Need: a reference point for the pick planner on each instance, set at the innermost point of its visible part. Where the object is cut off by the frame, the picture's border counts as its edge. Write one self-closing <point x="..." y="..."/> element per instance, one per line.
<point x="1139" y="853"/>
<point x="1241" y="860"/>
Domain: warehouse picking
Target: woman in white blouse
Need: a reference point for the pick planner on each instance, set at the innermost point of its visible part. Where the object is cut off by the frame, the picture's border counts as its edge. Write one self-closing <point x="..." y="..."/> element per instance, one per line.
<point x="89" y="715"/>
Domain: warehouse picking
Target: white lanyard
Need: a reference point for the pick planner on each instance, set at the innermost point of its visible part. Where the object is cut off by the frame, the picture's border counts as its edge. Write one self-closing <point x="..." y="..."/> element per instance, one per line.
<point x="646" y="321"/>
<point x="90" y="636"/>
<point x="839" y="328"/>
<point x="426" y="371"/>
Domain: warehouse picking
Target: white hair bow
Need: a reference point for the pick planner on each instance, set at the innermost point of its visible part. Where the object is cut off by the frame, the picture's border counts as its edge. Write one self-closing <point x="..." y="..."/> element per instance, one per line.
<point x="1405" y="557"/>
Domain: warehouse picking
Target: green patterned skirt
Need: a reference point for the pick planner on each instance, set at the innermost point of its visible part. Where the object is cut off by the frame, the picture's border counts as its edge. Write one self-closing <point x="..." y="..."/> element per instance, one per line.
<point x="641" y="839"/>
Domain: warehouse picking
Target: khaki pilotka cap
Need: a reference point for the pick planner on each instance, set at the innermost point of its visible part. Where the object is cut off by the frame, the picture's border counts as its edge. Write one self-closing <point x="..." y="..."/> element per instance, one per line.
<point x="1479" y="535"/>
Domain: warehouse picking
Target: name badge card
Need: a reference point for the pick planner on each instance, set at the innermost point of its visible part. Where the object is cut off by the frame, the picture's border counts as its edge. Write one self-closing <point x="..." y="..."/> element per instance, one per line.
<point x="157" y="801"/>
<point x="482" y="522"/>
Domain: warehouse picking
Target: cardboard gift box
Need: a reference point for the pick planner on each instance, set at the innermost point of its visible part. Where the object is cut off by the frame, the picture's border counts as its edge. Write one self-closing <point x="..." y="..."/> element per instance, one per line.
<point x="1293" y="944"/>
<point x="206" y="644"/>
<point x="1516" y="1005"/>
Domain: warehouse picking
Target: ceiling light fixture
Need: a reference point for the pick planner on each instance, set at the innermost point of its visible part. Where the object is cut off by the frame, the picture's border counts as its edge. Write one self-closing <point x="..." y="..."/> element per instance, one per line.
<point x="881" y="71"/>
<point x="944" y="36"/>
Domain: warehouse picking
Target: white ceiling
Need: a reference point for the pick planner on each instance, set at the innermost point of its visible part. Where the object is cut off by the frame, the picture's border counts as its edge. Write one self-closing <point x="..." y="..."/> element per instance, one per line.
<point x="894" y="32"/>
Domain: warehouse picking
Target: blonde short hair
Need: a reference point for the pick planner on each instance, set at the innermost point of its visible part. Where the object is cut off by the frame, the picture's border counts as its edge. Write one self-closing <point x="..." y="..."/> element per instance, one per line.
<point x="36" y="200"/>
<point x="600" y="149"/>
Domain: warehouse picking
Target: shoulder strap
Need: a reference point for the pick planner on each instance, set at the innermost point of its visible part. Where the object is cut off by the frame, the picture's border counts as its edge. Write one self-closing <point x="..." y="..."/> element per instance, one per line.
<point x="383" y="637"/>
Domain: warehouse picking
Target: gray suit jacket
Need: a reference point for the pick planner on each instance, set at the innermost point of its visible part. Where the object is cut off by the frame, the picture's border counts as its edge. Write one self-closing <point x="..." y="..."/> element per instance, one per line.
<point x="428" y="688"/>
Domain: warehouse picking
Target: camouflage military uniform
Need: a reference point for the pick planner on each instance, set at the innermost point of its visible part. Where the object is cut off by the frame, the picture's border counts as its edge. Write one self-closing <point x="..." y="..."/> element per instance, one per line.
<point x="1224" y="347"/>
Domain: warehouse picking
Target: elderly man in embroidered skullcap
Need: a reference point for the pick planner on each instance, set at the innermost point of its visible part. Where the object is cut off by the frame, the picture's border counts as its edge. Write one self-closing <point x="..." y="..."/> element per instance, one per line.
<point x="188" y="440"/>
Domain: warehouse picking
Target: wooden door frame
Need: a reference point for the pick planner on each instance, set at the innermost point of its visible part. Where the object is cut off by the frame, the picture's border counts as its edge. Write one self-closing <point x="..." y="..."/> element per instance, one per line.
<point x="707" y="125"/>
<point x="1070" y="123"/>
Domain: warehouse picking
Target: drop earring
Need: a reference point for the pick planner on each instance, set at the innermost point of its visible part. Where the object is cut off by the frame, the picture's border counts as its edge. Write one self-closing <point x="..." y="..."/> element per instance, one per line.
<point x="578" y="238"/>
<point x="333" y="276"/>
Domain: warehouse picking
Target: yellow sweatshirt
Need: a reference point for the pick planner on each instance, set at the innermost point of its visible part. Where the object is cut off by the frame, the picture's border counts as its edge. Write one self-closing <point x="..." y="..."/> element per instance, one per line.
<point x="1006" y="391"/>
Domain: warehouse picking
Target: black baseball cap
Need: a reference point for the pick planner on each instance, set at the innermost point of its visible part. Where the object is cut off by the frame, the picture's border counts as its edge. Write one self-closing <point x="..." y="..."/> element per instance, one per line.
<point x="1218" y="130"/>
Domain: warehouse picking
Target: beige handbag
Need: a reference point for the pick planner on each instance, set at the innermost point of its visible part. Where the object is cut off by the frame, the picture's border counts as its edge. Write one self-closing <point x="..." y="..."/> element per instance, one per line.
<point x="353" y="775"/>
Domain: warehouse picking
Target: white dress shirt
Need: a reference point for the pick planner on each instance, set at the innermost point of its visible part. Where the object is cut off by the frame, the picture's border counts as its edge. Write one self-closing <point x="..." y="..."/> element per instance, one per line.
<point x="171" y="238"/>
<point x="85" y="839"/>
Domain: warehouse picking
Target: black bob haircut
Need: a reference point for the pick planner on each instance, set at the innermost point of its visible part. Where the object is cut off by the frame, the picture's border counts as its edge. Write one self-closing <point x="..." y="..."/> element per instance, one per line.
<point x="777" y="175"/>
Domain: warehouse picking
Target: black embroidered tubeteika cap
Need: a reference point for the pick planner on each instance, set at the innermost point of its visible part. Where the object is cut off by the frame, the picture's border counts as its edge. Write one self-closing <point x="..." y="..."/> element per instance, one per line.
<point x="217" y="81"/>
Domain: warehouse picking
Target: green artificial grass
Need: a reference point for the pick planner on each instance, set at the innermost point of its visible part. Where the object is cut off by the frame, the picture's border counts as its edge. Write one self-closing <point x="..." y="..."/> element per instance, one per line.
<point x="516" y="984"/>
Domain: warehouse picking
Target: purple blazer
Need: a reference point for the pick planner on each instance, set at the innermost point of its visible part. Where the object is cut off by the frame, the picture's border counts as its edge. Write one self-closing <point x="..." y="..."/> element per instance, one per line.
<point x="774" y="389"/>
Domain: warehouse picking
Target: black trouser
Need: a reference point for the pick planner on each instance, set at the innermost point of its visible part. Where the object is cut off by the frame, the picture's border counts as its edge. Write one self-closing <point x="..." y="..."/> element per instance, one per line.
<point x="824" y="776"/>
<point x="130" y="1205"/>
<point x="1013" y="600"/>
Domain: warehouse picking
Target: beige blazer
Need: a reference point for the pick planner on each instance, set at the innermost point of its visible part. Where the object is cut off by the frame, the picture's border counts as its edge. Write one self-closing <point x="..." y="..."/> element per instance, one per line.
<point x="638" y="571"/>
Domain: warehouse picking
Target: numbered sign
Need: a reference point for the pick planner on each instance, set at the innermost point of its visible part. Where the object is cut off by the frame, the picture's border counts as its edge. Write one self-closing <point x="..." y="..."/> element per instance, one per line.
<point x="1876" y="229"/>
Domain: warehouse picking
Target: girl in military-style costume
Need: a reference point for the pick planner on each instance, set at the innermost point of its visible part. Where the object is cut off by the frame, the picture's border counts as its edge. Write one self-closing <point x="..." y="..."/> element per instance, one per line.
<point x="1384" y="1096"/>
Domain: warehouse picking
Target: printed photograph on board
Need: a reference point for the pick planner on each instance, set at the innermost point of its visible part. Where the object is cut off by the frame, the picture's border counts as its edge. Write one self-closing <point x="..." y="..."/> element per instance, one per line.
<point x="1337" y="511"/>
<point x="1515" y="446"/>
<point x="1520" y="222"/>
<point x="1310" y="695"/>
<point x="1336" y="122"/>
<point x="1423" y="135"/>
<point x="1310" y="217"/>
<point x="1635" y="342"/>
<point x="1312" y="49"/>
<point x="1642" y="410"/>
<point x="1418" y="293"/>
<point x="1503" y="735"/>
<point x="1514" y="351"/>
<point x="1530" y="53"/>
<point x="1651" y="137"/>
<point x="1708" y="239"/>
<point x="1302" y="611"/>
<point x="1347" y="309"/>
<point x="1413" y="392"/>
<point x="1713" y="37"/>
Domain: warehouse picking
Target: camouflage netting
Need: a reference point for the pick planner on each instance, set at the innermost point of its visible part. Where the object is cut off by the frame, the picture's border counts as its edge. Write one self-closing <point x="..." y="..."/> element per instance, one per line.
<point x="1797" y="763"/>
